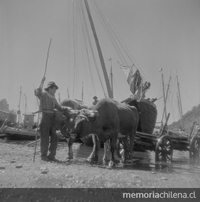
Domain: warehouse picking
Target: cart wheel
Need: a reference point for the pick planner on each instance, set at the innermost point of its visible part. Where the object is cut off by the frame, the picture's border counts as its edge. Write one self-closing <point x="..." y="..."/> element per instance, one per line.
<point x="164" y="149"/>
<point x="194" y="147"/>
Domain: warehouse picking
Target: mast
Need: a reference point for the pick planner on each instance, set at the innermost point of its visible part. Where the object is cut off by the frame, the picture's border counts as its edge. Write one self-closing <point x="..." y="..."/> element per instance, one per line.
<point x="165" y="113"/>
<point x="179" y="101"/>
<point x="67" y="92"/>
<point x="111" y="77"/>
<point x="99" y="50"/>
<point x="19" y="112"/>
<point x="59" y="97"/>
<point x="25" y="103"/>
<point x="166" y="94"/>
<point x="82" y="93"/>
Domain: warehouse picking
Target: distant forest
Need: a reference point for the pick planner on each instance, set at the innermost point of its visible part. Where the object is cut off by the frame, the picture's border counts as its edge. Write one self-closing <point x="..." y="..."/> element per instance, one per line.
<point x="188" y="119"/>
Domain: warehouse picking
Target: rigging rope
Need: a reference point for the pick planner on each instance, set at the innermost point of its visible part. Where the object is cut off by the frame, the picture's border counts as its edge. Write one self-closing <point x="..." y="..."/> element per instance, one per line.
<point x="93" y="55"/>
<point x="118" y="39"/>
<point x="187" y="95"/>
<point x="68" y="45"/>
<point x="75" y="47"/>
<point x="107" y="29"/>
<point x="117" y="87"/>
<point x="84" y="25"/>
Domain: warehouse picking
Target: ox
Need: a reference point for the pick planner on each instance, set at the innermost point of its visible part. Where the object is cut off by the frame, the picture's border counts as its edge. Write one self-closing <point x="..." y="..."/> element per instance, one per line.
<point x="67" y="126"/>
<point x="74" y="104"/>
<point x="74" y="107"/>
<point x="106" y="120"/>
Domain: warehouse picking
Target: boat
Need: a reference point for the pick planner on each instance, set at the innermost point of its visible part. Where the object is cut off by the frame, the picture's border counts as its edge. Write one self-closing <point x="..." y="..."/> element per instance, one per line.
<point x="179" y="132"/>
<point x="147" y="107"/>
<point x="21" y="131"/>
<point x="12" y="133"/>
<point x="7" y="117"/>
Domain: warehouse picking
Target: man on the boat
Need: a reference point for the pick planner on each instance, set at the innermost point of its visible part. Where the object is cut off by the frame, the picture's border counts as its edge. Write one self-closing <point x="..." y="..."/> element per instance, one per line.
<point x="48" y="105"/>
<point x="95" y="100"/>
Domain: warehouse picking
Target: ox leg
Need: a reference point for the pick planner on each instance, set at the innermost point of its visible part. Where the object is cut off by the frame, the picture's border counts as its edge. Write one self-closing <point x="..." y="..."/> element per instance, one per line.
<point x="126" y="149"/>
<point x="70" y="151"/>
<point x="119" y="142"/>
<point x="106" y="148"/>
<point x="93" y="158"/>
<point x="131" y="145"/>
<point x="112" y="149"/>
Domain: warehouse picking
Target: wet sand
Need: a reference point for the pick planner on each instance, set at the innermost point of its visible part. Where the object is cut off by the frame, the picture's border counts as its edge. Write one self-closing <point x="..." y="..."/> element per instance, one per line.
<point x="17" y="170"/>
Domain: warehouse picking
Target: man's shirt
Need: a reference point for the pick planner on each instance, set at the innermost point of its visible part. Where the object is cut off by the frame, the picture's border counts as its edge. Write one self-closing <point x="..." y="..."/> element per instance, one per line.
<point x="47" y="101"/>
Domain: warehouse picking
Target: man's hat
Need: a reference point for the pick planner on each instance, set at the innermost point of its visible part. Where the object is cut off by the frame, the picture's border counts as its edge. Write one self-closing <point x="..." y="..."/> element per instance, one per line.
<point x="95" y="97"/>
<point x="50" y="85"/>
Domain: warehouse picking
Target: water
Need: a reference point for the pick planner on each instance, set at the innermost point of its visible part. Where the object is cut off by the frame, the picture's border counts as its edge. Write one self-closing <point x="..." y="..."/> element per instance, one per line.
<point x="181" y="162"/>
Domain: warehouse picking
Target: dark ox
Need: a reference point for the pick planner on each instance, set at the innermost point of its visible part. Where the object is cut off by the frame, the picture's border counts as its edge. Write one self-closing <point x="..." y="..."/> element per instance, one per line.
<point x="62" y="119"/>
<point x="74" y="107"/>
<point x="106" y="120"/>
<point x="68" y="125"/>
<point x="74" y="104"/>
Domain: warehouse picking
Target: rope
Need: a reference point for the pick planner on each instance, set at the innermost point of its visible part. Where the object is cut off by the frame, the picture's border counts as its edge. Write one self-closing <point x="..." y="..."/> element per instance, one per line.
<point x="90" y="44"/>
<point x="117" y="87"/>
<point x="68" y="45"/>
<point x="113" y="32"/>
<point x="74" y="44"/>
<point x="186" y="95"/>
<point x="108" y="31"/>
<point x="84" y="31"/>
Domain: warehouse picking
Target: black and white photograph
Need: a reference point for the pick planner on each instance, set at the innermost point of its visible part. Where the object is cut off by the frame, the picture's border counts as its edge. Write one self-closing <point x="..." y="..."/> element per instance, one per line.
<point x="99" y="100"/>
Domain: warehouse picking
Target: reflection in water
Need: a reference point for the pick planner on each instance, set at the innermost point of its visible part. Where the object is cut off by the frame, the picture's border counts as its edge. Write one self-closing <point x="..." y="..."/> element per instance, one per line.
<point x="146" y="161"/>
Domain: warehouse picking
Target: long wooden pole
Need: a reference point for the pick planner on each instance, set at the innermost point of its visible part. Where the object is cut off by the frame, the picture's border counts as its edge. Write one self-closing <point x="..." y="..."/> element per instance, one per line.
<point x="165" y="112"/>
<point x="41" y="85"/>
<point x="99" y="50"/>
<point x="179" y="101"/>
<point x="111" y="77"/>
<point x="45" y="70"/>
<point x="25" y="103"/>
<point x="19" y="111"/>
<point x="166" y="95"/>
<point x="67" y="92"/>
<point x="82" y="93"/>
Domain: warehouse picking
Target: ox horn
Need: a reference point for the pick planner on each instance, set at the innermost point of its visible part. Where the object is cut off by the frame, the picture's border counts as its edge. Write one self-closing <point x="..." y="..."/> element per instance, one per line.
<point x="83" y="116"/>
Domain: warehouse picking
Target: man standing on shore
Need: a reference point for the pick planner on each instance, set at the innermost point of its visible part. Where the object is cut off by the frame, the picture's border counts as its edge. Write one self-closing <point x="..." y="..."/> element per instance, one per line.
<point x="48" y="105"/>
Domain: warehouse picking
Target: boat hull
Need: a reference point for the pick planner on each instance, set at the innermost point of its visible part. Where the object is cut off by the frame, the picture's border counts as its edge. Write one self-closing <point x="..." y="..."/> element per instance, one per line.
<point x="21" y="134"/>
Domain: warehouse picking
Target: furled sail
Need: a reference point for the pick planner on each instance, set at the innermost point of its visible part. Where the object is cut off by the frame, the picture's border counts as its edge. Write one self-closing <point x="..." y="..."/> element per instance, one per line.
<point x="134" y="80"/>
<point x="147" y="109"/>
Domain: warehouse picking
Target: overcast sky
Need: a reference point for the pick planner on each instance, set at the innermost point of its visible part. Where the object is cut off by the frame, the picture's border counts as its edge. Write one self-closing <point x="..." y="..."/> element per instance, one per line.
<point x="156" y="33"/>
